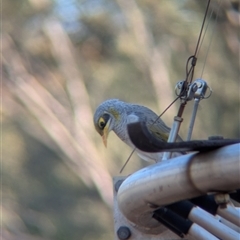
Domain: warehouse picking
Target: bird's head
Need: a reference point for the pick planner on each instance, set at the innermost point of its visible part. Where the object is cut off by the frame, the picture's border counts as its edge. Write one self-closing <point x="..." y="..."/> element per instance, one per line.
<point x="106" y="116"/>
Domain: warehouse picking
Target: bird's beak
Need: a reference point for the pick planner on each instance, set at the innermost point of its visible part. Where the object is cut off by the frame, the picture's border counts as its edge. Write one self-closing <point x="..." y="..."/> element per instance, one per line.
<point x="106" y="131"/>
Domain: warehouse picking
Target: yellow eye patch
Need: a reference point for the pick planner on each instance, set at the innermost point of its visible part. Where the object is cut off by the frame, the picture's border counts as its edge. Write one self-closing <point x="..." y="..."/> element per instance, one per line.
<point x="101" y="123"/>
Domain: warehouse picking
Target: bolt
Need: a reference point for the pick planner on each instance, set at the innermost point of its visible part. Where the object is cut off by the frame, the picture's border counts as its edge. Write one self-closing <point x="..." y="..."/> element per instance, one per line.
<point x="195" y="87"/>
<point x="222" y="199"/>
<point x="123" y="233"/>
<point x="118" y="184"/>
<point x="179" y="84"/>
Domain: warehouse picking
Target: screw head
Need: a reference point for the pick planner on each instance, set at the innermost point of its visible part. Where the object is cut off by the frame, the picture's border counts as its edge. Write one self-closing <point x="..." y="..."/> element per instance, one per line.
<point x="123" y="233"/>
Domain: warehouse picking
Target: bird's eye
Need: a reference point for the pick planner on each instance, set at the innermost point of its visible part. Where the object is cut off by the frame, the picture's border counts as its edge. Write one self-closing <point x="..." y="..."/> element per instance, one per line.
<point x="103" y="120"/>
<point x="101" y="123"/>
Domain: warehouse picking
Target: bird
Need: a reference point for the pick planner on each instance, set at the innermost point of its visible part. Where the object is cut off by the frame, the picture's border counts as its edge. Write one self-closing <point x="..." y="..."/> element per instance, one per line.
<point x="114" y="115"/>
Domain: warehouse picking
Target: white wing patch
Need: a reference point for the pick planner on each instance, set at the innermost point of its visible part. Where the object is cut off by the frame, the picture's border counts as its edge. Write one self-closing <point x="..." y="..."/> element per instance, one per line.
<point x="132" y="118"/>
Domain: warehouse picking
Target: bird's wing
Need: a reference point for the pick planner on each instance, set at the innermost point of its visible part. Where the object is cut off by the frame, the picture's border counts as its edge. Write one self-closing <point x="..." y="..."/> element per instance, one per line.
<point x="158" y="132"/>
<point x="155" y="125"/>
<point x="131" y="118"/>
<point x="161" y="131"/>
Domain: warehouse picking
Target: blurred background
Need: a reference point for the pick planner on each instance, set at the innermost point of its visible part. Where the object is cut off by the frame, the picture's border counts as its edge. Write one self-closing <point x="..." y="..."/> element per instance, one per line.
<point x="60" y="60"/>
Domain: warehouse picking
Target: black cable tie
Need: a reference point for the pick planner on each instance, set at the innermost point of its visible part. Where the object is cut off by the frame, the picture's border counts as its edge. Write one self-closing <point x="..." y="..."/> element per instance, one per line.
<point x="157" y="216"/>
<point x="173" y="220"/>
<point x="183" y="208"/>
<point x="206" y="202"/>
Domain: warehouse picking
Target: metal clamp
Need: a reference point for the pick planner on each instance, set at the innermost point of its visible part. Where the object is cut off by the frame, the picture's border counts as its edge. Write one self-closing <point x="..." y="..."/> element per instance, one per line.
<point x="197" y="89"/>
<point x="202" y="88"/>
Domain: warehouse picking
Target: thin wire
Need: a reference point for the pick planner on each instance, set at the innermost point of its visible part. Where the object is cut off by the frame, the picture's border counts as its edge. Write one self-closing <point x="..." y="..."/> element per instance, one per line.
<point x="191" y="71"/>
<point x="205" y="31"/>
<point x="166" y="108"/>
<point x="211" y="39"/>
<point x="200" y="35"/>
<point x="127" y="160"/>
<point x="194" y="57"/>
<point x="152" y="123"/>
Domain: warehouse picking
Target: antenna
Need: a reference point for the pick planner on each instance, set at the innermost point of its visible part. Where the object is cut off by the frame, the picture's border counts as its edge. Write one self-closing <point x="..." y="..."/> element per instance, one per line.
<point x="186" y="91"/>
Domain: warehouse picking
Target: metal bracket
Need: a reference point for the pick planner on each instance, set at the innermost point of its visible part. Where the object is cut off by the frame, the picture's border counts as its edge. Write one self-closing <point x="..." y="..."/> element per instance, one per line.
<point x="125" y="230"/>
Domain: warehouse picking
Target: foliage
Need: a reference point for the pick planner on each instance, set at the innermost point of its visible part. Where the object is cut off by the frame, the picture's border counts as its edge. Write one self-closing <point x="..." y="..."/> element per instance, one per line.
<point x="63" y="58"/>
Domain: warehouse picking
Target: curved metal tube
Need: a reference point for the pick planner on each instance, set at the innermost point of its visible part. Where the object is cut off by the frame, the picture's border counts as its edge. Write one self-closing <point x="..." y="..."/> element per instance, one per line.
<point x="180" y="178"/>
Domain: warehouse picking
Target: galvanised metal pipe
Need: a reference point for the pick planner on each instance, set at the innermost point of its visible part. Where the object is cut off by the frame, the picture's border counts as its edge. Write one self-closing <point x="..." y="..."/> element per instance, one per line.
<point x="177" y="179"/>
<point x="212" y="225"/>
<point x="199" y="233"/>
<point x="230" y="213"/>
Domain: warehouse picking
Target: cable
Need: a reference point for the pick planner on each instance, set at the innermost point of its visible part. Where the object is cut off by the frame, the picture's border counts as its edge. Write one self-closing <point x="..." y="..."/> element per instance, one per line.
<point x="189" y="73"/>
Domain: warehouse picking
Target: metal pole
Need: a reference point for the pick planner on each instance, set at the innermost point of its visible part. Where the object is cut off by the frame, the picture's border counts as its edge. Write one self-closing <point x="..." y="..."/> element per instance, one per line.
<point x="184" y="177"/>
<point x="194" y="113"/>
<point x="199" y="233"/>
<point x="208" y="222"/>
<point x="197" y="91"/>
<point x="173" y="135"/>
<point x="229" y="213"/>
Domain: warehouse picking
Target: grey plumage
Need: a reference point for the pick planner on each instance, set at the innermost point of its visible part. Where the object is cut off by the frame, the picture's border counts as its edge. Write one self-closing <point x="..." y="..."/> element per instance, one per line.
<point x="114" y="115"/>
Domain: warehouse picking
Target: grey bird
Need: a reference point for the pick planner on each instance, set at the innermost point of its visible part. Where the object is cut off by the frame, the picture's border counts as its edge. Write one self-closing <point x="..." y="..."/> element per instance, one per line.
<point x="114" y="115"/>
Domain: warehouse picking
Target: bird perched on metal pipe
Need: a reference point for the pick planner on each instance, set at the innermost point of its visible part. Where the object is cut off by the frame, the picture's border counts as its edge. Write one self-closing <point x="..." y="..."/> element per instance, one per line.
<point x="114" y="115"/>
